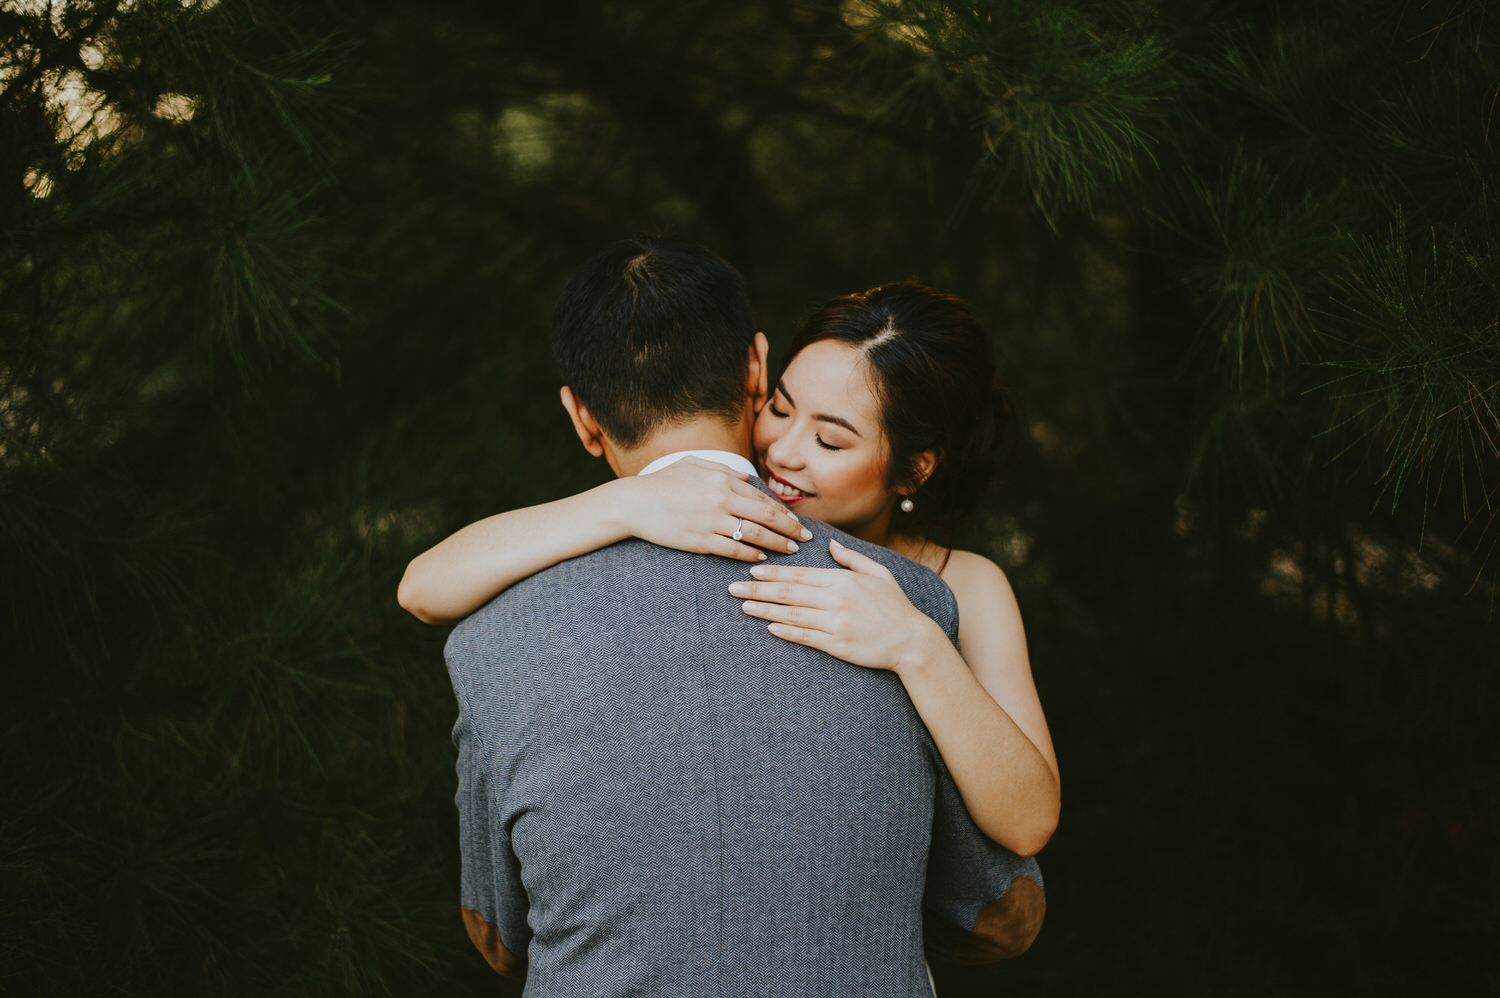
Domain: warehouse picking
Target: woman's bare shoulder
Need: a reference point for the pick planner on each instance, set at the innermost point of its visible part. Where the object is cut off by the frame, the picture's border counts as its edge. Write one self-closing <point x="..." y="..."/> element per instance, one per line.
<point x="973" y="574"/>
<point x="989" y="625"/>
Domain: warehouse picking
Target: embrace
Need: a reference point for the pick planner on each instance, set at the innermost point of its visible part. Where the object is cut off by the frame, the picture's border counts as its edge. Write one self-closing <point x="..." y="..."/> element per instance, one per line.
<point x="679" y="775"/>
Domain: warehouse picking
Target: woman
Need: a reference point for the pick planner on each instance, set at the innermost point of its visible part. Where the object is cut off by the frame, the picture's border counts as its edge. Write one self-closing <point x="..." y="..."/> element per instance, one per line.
<point x="884" y="424"/>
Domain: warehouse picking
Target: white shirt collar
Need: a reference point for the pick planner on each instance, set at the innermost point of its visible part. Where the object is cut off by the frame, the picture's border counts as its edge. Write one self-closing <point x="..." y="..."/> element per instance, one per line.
<point x="724" y="457"/>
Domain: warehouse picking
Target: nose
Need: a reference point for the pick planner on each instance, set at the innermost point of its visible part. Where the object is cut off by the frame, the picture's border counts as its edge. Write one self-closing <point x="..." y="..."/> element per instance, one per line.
<point x="784" y="453"/>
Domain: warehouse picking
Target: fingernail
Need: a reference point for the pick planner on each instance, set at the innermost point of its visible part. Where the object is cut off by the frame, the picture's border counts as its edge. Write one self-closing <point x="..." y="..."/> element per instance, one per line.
<point x="791" y="547"/>
<point x="836" y="544"/>
<point x="760" y="556"/>
<point x="755" y="570"/>
<point x="806" y="534"/>
<point x="737" y="588"/>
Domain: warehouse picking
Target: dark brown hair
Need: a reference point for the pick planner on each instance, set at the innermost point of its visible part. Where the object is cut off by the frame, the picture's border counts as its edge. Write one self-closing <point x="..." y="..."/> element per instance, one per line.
<point x="934" y="378"/>
<point x="652" y="331"/>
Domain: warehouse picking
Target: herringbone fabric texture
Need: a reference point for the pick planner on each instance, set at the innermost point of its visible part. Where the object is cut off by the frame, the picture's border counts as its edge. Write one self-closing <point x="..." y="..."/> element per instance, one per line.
<point x="657" y="797"/>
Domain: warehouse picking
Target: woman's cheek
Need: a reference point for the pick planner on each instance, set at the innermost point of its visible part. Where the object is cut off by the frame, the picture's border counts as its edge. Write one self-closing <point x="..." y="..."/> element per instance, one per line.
<point x="762" y="436"/>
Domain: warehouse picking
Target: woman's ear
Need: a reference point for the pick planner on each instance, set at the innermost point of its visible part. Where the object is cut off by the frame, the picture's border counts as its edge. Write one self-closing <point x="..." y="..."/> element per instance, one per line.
<point x="922" y="468"/>
<point x="584" y="425"/>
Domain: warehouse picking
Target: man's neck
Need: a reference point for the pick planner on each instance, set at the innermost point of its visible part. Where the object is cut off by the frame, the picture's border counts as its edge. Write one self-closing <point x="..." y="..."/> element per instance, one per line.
<point x="695" y="435"/>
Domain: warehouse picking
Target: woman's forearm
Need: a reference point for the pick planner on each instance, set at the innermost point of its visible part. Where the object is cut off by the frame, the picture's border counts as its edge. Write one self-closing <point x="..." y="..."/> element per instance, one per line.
<point x="1006" y="783"/>
<point x="694" y="505"/>
<point x="468" y="569"/>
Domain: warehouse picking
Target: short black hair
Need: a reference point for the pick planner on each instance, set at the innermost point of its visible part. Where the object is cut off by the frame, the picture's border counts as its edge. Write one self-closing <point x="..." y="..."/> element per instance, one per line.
<point x="653" y="331"/>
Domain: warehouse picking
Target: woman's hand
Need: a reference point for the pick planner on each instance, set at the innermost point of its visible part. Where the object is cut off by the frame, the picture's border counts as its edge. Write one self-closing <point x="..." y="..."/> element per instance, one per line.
<point x="860" y="616"/>
<point x="698" y="506"/>
<point x="863" y="617"/>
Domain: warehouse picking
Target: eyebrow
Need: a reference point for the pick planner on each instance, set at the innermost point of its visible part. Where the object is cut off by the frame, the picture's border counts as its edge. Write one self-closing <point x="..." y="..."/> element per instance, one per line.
<point x="821" y="416"/>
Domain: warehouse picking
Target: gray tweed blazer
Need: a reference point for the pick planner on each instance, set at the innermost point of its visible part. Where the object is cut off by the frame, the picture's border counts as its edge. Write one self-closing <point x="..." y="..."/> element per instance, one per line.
<point x="658" y="797"/>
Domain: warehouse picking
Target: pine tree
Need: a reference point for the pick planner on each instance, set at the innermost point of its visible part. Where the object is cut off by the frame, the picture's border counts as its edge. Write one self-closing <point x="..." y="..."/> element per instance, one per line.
<point x="274" y="284"/>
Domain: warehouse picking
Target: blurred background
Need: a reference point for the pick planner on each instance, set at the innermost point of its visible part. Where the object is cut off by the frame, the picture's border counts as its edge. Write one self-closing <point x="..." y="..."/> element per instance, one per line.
<point x="275" y="282"/>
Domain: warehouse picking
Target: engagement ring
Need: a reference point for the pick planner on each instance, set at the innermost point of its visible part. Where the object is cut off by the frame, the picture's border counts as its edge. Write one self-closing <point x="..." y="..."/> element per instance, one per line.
<point x="739" y="529"/>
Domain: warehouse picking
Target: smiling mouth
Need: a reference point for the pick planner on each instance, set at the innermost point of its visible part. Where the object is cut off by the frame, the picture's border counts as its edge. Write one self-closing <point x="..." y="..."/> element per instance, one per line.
<point x="783" y="489"/>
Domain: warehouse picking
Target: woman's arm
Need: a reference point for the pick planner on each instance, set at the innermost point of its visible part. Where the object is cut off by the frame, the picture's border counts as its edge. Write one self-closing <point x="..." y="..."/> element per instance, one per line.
<point x="692" y="505"/>
<point x="983" y="714"/>
<point x="1008" y="734"/>
<point x="994" y="645"/>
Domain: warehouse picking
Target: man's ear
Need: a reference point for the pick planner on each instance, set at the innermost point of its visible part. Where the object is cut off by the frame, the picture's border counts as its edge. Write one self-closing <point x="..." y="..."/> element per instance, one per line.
<point x="757" y="383"/>
<point x="588" y="431"/>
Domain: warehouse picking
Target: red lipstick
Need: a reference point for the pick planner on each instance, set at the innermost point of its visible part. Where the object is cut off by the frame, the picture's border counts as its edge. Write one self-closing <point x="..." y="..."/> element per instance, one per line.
<point x="787" y="500"/>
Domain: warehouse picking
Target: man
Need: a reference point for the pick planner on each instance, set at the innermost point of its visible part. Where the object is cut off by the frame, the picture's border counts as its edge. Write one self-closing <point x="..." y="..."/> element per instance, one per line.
<point x="656" y="795"/>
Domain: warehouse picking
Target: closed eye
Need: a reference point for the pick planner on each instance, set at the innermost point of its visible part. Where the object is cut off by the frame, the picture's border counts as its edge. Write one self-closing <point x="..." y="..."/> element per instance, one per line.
<point x="824" y="444"/>
<point x="775" y="411"/>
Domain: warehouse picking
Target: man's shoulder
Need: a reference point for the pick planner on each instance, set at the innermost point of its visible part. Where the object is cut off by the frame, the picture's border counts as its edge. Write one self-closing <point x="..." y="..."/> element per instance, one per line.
<point x="561" y="607"/>
<point x="613" y="578"/>
<point x="634" y="566"/>
<point x="925" y="588"/>
<point x="608" y="567"/>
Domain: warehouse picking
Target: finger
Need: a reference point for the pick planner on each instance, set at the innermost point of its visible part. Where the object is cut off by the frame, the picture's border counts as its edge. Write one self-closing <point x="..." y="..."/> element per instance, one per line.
<point x="856" y="562"/>
<point x="803" y="636"/>
<point x="796" y="616"/>
<point x="782" y="593"/>
<point x="797" y="573"/>
<point x="760" y="508"/>
<point x="724" y="547"/>
<point x="753" y="533"/>
<point x="744" y="552"/>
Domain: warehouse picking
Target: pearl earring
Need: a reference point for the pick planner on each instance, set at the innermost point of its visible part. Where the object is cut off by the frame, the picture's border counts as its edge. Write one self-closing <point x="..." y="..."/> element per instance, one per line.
<point x="907" y="505"/>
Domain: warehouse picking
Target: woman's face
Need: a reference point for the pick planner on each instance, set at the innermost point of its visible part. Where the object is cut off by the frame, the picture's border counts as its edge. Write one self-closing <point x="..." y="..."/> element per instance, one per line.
<point x="821" y="443"/>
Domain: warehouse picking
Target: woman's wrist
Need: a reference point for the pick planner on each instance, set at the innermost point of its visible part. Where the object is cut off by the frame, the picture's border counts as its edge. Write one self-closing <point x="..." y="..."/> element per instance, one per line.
<point x="925" y="652"/>
<point x="612" y="508"/>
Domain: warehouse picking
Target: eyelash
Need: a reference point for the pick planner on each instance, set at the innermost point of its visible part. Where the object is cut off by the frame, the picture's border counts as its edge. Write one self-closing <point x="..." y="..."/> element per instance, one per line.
<point x="781" y="415"/>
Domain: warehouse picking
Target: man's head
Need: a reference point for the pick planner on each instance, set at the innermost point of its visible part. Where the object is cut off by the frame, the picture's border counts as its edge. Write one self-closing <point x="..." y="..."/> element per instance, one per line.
<point x="656" y="335"/>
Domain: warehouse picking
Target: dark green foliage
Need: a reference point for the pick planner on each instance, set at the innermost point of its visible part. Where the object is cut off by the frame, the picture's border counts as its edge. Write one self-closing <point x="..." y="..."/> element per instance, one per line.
<point x="274" y="288"/>
<point x="1425" y="336"/>
<point x="1064" y="96"/>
